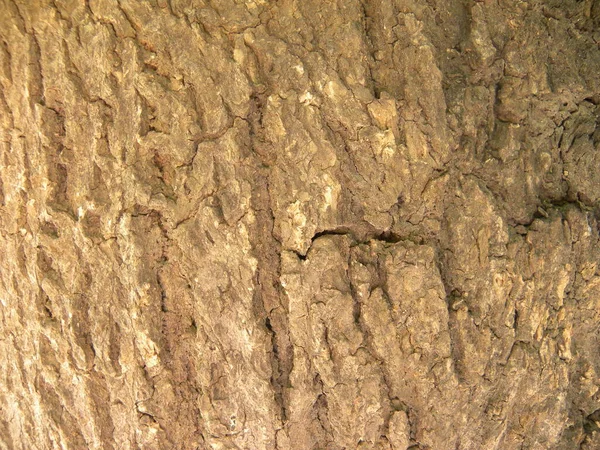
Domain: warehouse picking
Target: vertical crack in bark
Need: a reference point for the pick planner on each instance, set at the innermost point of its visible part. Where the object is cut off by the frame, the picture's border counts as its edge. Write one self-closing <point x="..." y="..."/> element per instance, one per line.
<point x="394" y="402"/>
<point x="368" y="344"/>
<point x="268" y="253"/>
<point x="451" y="295"/>
<point x="100" y="104"/>
<point x="267" y="250"/>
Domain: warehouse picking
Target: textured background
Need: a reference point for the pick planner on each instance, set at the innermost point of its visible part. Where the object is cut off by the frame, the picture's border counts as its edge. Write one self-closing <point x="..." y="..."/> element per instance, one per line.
<point x="301" y="224"/>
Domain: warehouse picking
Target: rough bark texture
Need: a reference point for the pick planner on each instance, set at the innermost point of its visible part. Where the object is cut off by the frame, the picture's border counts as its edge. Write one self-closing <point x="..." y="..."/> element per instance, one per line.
<point x="299" y="224"/>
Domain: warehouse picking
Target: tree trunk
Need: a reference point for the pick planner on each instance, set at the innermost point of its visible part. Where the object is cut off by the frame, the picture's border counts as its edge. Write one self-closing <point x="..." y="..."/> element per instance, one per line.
<point x="300" y="224"/>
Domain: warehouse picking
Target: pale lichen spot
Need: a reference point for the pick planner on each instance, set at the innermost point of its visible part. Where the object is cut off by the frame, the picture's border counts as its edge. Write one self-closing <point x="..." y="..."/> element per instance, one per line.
<point x="388" y="151"/>
<point x="563" y="282"/>
<point x="331" y="89"/>
<point x="306" y="98"/>
<point x="148" y="349"/>
<point x="238" y="56"/>
<point x="298" y="220"/>
<point x="328" y="196"/>
<point x="331" y="193"/>
<point x="123" y="225"/>
<point x="253" y="263"/>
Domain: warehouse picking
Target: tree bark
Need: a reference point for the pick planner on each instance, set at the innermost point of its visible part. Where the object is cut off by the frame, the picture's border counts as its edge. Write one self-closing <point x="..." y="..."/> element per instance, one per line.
<point x="300" y="224"/>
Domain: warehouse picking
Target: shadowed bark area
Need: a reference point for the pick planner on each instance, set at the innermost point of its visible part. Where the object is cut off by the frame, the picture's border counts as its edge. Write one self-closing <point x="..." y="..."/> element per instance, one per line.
<point x="300" y="224"/>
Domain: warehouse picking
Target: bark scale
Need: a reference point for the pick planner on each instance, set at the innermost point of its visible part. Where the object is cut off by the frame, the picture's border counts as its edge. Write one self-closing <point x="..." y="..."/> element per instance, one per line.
<point x="299" y="224"/>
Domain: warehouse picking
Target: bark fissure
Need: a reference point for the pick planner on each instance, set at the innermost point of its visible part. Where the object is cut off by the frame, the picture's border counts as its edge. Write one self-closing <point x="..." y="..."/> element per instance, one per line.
<point x="299" y="224"/>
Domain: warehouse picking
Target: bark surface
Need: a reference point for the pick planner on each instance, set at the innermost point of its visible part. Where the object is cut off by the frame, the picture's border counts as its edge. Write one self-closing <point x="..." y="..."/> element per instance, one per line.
<point x="299" y="224"/>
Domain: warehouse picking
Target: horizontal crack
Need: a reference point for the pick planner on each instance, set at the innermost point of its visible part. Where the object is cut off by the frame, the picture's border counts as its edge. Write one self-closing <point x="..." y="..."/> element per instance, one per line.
<point x="361" y="235"/>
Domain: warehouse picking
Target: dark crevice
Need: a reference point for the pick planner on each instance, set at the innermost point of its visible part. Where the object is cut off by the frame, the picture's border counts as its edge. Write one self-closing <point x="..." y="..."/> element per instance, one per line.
<point x="547" y="207"/>
<point x="394" y="402"/>
<point x="270" y="301"/>
<point x="359" y="235"/>
<point x="163" y="293"/>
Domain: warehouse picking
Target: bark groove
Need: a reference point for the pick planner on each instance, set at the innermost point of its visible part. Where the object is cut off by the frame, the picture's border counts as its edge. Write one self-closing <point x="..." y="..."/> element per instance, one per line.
<point x="253" y="224"/>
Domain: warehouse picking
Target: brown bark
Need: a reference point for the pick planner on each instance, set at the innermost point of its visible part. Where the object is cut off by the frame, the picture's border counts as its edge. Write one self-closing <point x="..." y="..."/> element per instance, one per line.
<point x="299" y="224"/>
